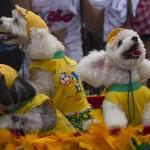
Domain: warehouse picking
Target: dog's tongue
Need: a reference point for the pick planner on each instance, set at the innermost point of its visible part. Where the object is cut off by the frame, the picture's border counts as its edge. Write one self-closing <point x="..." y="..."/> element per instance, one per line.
<point x="5" y="36"/>
<point x="135" y="53"/>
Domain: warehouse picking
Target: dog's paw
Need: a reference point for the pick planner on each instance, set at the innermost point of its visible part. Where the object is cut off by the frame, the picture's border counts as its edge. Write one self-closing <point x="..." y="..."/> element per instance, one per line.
<point x="116" y="122"/>
<point x="114" y="117"/>
<point x="88" y="123"/>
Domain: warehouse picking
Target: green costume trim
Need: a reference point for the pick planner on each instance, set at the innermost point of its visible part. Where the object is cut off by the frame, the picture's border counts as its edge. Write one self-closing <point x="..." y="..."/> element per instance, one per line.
<point x="124" y="87"/>
<point x="59" y="54"/>
<point x="78" y="119"/>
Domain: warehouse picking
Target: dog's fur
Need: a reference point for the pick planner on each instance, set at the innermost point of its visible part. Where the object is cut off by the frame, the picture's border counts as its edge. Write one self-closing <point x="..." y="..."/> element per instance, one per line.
<point x="111" y="67"/>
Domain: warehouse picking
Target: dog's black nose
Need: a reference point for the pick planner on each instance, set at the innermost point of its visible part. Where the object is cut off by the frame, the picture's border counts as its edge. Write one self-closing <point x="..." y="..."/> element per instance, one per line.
<point x="1" y="22"/>
<point x="134" y="38"/>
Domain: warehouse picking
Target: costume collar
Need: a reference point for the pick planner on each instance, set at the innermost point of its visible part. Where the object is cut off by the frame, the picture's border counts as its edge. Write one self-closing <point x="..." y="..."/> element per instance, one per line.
<point x="59" y="54"/>
<point x="124" y="87"/>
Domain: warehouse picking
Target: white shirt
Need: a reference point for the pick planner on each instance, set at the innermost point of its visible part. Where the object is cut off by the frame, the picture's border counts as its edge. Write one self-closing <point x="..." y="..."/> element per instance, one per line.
<point x="61" y="14"/>
<point x="115" y="13"/>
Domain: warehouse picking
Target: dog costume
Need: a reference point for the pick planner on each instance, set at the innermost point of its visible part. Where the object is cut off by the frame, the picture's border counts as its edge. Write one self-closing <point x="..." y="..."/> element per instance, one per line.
<point x="129" y="97"/>
<point x="23" y="107"/>
<point x="122" y="68"/>
<point x="70" y="97"/>
<point x="67" y="82"/>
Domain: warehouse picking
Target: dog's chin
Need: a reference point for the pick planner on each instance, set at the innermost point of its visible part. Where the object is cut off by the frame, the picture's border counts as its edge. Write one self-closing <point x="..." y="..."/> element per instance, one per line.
<point x="130" y="63"/>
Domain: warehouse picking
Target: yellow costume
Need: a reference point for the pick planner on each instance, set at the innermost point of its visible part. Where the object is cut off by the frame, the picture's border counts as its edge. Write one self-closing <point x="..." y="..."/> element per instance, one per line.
<point x="8" y="72"/>
<point x="33" y="20"/>
<point x="69" y="96"/>
<point x="62" y="124"/>
<point x="132" y="104"/>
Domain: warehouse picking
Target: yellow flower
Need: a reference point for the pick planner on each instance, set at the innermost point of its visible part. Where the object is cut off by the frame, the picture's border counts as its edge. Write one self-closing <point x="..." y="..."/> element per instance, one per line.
<point x="5" y="137"/>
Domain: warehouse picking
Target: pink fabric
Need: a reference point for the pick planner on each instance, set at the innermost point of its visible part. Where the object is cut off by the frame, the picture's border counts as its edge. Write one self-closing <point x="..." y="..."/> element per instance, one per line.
<point x="141" y="22"/>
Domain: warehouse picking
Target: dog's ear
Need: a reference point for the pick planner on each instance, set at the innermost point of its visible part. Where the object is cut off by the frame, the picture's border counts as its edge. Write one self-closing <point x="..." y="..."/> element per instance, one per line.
<point x="6" y="98"/>
<point x="144" y="70"/>
<point x="22" y="90"/>
<point x="90" y="68"/>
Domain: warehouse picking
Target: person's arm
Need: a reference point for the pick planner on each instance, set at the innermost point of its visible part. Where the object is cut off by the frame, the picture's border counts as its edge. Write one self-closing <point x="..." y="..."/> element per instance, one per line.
<point x="129" y="16"/>
<point x="93" y="18"/>
<point x="129" y="8"/>
<point x="23" y="3"/>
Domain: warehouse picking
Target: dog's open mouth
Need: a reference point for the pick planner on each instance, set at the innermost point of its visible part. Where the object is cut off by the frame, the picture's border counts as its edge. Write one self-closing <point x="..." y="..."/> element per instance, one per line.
<point x="132" y="53"/>
<point x="6" y="36"/>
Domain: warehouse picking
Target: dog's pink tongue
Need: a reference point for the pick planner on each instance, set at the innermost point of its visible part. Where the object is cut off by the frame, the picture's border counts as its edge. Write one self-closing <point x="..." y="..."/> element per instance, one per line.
<point x="135" y="53"/>
<point x="3" y="37"/>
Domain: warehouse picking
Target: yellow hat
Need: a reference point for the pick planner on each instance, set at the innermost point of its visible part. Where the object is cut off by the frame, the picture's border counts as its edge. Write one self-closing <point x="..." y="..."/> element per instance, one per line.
<point x="9" y="73"/>
<point x="113" y="34"/>
<point x="33" y="20"/>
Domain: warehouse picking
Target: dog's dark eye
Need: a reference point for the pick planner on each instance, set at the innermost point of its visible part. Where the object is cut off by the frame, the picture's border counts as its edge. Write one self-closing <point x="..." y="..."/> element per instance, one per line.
<point x="16" y="21"/>
<point x="119" y="43"/>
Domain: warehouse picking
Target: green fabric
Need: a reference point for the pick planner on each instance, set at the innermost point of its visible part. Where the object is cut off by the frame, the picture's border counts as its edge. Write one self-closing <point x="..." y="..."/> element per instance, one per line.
<point x="143" y="147"/>
<point x="78" y="119"/>
<point x="124" y="87"/>
<point x="59" y="54"/>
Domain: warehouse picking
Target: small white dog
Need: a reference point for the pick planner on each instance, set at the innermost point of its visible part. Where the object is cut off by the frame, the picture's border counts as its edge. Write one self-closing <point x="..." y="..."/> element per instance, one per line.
<point x="121" y="69"/>
<point x="51" y="71"/>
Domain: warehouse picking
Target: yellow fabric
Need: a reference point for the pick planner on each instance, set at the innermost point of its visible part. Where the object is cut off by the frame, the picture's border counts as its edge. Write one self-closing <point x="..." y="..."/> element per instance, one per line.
<point x="141" y="99"/>
<point x="62" y="124"/>
<point x="69" y="96"/>
<point x="97" y="114"/>
<point x="112" y="35"/>
<point x="33" y="20"/>
<point x="9" y="73"/>
<point x="36" y="101"/>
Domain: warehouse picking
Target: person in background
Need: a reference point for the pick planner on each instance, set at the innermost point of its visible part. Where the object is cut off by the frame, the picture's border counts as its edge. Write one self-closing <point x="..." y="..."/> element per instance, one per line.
<point x="140" y="22"/>
<point x="9" y="54"/>
<point x="64" y="18"/>
<point x="23" y="3"/>
<point x="114" y="16"/>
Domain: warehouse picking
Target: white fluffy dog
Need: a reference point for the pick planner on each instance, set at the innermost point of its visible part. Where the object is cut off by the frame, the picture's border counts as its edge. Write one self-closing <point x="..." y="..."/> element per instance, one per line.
<point x="121" y="69"/>
<point x="51" y="71"/>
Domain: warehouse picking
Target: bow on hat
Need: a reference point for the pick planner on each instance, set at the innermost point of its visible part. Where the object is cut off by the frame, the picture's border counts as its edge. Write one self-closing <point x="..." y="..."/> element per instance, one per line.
<point x="113" y="34"/>
<point x="33" y="20"/>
